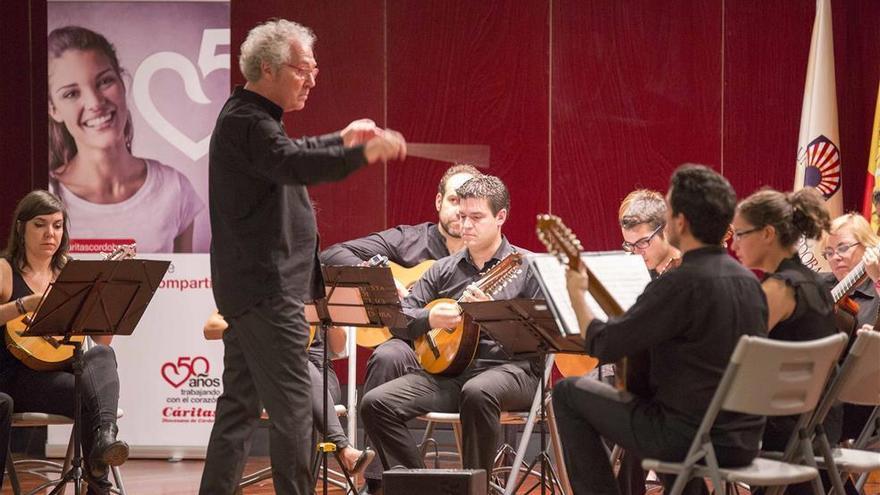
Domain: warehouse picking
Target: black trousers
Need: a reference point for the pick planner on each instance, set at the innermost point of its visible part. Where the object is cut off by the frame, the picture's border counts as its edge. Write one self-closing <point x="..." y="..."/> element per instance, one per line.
<point x="587" y="411"/>
<point x="265" y="363"/>
<point x="52" y="392"/>
<point x="390" y="360"/>
<point x="478" y="394"/>
<point x="335" y="433"/>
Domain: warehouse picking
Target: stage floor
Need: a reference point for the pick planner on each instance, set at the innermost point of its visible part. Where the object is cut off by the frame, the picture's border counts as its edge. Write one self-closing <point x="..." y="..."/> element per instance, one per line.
<point x="158" y="477"/>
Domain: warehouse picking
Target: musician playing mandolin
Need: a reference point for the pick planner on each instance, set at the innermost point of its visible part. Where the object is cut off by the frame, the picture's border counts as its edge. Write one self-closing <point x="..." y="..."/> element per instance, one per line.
<point x="35" y="254"/>
<point x="408" y="246"/>
<point x="491" y="383"/>
<point x="849" y="242"/>
<point x="689" y="320"/>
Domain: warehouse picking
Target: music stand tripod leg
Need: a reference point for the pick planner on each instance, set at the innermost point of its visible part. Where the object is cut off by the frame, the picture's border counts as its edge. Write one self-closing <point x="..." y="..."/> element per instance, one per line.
<point x="75" y="472"/>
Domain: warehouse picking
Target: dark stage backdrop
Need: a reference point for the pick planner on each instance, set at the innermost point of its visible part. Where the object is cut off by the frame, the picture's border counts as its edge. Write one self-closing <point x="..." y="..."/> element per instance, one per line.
<point x="580" y="100"/>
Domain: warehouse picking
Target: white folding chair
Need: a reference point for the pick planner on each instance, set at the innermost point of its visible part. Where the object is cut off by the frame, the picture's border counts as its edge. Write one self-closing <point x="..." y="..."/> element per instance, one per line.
<point x="858" y="382"/>
<point x="769" y="378"/>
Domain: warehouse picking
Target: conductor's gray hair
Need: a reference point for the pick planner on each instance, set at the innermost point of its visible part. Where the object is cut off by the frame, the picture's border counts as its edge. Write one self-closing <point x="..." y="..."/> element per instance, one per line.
<point x="270" y="42"/>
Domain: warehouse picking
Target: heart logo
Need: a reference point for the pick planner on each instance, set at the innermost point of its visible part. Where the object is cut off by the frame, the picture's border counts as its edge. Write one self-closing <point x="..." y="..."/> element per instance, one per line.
<point x="175" y="377"/>
<point x="209" y="61"/>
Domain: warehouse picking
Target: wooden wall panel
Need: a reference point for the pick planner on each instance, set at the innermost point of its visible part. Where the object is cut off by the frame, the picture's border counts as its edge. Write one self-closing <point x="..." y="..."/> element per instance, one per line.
<point x="472" y="73"/>
<point x="636" y="91"/>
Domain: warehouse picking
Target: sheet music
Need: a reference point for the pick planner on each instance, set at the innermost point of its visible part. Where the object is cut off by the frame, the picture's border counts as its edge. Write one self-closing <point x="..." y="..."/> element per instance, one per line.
<point x="624" y="276"/>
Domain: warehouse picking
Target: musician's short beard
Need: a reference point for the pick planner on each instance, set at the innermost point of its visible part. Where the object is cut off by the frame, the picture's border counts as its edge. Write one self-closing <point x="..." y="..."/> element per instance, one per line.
<point x="449" y="232"/>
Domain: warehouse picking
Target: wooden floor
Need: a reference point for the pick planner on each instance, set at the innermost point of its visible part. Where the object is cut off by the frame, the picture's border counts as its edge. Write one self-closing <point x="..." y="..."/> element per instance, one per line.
<point x="158" y="477"/>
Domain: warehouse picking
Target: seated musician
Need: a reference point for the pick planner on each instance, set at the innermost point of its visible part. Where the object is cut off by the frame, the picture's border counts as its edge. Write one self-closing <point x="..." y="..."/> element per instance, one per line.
<point x="767" y="228"/>
<point x="492" y="382"/>
<point x="407" y="246"/>
<point x="34" y="256"/>
<point x="849" y="242"/>
<point x="353" y="460"/>
<point x="642" y="216"/>
<point x="689" y="320"/>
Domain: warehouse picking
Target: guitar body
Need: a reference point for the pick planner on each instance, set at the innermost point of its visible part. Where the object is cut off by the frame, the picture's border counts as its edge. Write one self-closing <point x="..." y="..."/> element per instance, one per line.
<point x="371" y="337"/>
<point x="37" y="353"/>
<point x="575" y="364"/>
<point x="454" y="349"/>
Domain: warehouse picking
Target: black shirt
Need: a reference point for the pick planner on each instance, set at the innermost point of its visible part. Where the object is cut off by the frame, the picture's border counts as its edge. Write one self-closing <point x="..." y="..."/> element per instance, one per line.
<point x="690" y="320"/>
<point x="448" y="278"/>
<point x="812" y="318"/>
<point x="406" y="245"/>
<point x="264" y="231"/>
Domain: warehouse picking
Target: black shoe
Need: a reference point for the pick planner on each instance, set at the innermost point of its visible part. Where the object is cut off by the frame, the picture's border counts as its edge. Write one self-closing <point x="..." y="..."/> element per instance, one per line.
<point x="106" y="451"/>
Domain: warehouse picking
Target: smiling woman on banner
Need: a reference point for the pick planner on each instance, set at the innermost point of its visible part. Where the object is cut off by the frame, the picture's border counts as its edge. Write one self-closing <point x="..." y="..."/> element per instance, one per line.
<point x="110" y="193"/>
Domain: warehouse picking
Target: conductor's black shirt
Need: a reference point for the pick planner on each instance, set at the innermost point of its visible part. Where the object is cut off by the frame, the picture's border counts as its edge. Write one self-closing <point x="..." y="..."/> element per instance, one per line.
<point x="265" y="236"/>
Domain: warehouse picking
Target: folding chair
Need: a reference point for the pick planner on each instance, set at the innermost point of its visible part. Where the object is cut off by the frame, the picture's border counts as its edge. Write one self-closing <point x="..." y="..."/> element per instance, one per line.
<point x="858" y="382"/>
<point x="769" y="378"/>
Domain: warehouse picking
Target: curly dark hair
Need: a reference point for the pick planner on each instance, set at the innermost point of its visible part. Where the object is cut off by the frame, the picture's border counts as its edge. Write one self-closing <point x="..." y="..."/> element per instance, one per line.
<point x="792" y="215"/>
<point x="705" y="198"/>
<point x="489" y="187"/>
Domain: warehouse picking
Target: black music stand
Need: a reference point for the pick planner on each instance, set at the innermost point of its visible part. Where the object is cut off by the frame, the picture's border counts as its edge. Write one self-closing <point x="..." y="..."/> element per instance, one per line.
<point x="363" y="296"/>
<point x="526" y="328"/>
<point x="93" y="298"/>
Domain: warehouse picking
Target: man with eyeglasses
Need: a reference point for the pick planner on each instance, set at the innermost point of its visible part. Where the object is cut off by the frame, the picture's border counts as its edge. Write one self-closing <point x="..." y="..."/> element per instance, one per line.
<point x="264" y="251"/>
<point x="642" y="216"/>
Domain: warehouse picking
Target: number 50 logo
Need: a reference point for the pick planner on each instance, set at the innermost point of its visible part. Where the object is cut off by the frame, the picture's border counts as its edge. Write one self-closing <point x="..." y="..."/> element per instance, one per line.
<point x="176" y="374"/>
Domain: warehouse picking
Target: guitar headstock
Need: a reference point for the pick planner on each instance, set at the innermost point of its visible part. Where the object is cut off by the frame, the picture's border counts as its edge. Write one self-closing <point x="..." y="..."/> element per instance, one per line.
<point x="559" y="240"/>
<point x="501" y="274"/>
<point x="122" y="252"/>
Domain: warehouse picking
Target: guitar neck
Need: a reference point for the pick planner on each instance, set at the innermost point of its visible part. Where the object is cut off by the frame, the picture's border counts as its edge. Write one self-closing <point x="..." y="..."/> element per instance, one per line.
<point x="849" y="281"/>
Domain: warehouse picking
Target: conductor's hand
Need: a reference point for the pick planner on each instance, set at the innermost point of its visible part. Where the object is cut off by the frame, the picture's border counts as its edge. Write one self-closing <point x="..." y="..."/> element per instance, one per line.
<point x="387" y="145"/>
<point x="444" y="315"/>
<point x="577" y="282"/>
<point x="359" y="132"/>
<point x="872" y="263"/>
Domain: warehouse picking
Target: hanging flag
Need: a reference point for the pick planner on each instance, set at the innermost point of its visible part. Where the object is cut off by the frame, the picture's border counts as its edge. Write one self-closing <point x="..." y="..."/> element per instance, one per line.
<point x="818" y="152"/>
<point x="872" y="182"/>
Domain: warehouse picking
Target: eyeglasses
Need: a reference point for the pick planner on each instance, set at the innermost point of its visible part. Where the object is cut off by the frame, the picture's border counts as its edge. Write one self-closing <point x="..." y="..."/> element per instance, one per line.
<point x="303" y="73"/>
<point x="642" y="243"/>
<point x="839" y="250"/>
<point x="738" y="234"/>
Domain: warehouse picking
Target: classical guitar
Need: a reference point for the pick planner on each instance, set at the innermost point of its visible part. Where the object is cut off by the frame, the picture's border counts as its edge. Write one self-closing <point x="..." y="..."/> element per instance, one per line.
<point x="47" y="353"/>
<point x="562" y="243"/>
<point x="448" y="351"/>
<point x="407" y="277"/>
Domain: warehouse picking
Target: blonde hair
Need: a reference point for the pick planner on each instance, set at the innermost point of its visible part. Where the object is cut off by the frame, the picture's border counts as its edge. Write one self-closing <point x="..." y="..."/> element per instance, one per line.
<point x="642" y="206"/>
<point x="861" y="229"/>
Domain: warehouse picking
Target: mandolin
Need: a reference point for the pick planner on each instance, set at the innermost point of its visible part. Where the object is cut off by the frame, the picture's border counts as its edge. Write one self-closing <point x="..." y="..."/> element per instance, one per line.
<point x="407" y="277"/>
<point x="46" y="353"/>
<point x="445" y="351"/>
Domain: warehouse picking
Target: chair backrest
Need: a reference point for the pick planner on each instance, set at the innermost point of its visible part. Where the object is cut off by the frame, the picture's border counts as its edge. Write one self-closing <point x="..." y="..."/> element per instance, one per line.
<point x="861" y="382"/>
<point x="779" y="378"/>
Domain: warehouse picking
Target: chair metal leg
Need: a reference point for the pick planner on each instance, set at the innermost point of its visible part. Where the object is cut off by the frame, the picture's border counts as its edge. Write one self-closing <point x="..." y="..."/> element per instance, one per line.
<point x="11" y="473"/>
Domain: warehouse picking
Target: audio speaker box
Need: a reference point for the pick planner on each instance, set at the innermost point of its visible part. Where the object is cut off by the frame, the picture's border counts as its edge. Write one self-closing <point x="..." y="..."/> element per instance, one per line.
<point x="434" y="482"/>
